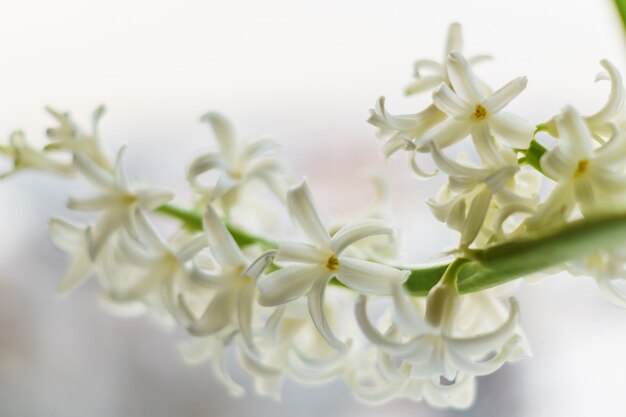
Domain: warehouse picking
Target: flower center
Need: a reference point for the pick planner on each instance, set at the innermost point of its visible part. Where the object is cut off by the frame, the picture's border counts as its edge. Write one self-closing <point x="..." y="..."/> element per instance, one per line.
<point x="581" y="168"/>
<point x="128" y="199"/>
<point x="332" y="263"/>
<point x="480" y="112"/>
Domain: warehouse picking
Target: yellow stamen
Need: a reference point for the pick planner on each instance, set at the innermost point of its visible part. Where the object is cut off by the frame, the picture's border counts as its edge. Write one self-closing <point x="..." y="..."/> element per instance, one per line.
<point x="480" y="113"/>
<point x="582" y="168"/>
<point x="333" y="263"/>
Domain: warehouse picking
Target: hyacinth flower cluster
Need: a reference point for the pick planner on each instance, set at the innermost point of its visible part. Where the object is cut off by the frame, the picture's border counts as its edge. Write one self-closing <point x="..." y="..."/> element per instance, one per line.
<point x="295" y="306"/>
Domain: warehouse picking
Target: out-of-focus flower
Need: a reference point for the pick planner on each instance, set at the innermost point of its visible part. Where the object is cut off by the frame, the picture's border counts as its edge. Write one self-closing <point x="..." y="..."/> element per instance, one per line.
<point x="429" y="74"/>
<point x="117" y="201"/>
<point x="237" y="164"/>
<point x="68" y="137"/>
<point x="24" y="157"/>
<point x="312" y="265"/>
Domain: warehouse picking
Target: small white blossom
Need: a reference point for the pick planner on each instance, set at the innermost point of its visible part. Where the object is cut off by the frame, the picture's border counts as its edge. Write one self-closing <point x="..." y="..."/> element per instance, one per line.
<point x="312" y="265"/>
<point x="589" y="177"/>
<point x="453" y="337"/>
<point x="234" y="284"/>
<point x="25" y="157"/>
<point x="473" y="112"/>
<point x="69" y="137"/>
<point x="237" y="163"/>
<point x="429" y="74"/>
<point x="72" y="239"/>
<point x="117" y="201"/>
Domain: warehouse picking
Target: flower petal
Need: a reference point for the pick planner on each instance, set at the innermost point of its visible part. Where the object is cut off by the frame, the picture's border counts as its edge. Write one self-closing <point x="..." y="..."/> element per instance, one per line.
<point x="288" y="283"/>
<point x="352" y="233"/>
<point x="462" y="78"/>
<point x="448" y="102"/>
<point x="300" y="252"/>
<point x="512" y="129"/>
<point x="245" y="303"/>
<point x="575" y="136"/>
<point x="217" y="315"/>
<point x="498" y="100"/>
<point x="445" y="134"/>
<point x="304" y="215"/>
<point x="315" y="301"/>
<point x="369" y="277"/>
<point x="224" y="133"/>
<point x="222" y="244"/>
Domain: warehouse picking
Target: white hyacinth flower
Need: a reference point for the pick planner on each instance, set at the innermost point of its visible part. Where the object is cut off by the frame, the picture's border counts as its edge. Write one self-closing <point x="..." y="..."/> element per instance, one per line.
<point x="117" y="201"/>
<point x="160" y="264"/>
<point x="376" y="378"/>
<point x="69" y="137"/>
<point x="72" y="239"/>
<point x="454" y="336"/>
<point x="608" y="269"/>
<point x="429" y="74"/>
<point x="237" y="163"/>
<point x="477" y="191"/>
<point x="588" y="176"/>
<point x="234" y="285"/>
<point x="25" y="157"/>
<point x="312" y="265"/>
<point x="613" y="112"/>
<point x="473" y="112"/>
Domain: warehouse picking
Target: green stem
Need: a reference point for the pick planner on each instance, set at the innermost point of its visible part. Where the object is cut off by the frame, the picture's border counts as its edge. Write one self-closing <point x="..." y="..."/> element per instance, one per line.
<point x="621" y="8"/>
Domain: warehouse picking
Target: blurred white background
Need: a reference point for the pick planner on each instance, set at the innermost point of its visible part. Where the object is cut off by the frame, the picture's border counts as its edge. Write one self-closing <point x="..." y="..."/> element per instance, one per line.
<point x="307" y="73"/>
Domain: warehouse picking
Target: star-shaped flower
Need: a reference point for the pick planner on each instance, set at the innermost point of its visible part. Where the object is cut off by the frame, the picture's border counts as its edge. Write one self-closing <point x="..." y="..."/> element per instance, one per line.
<point x="312" y="265"/>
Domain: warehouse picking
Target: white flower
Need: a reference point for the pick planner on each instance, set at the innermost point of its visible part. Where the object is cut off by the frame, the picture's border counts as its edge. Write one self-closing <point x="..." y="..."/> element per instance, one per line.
<point x="312" y="265"/>
<point x="68" y="137"/>
<point x="72" y="239"/>
<point x="401" y="131"/>
<point x="235" y="284"/>
<point x="160" y="264"/>
<point x="453" y="337"/>
<point x="117" y="201"/>
<point x="587" y="176"/>
<point x="472" y="112"/>
<point x="26" y="157"/>
<point x="236" y="162"/>
<point x="608" y="269"/>
<point x="430" y="74"/>
<point x="612" y="113"/>
<point x="473" y="192"/>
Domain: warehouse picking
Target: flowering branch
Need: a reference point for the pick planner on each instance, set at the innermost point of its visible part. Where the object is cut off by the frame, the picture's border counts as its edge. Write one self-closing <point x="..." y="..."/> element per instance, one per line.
<point x="267" y="296"/>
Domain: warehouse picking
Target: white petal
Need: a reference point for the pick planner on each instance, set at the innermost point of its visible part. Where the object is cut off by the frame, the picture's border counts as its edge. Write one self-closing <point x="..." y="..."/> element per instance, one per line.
<point x="224" y="133"/>
<point x="96" y="203"/>
<point x="448" y="102"/>
<point x="611" y="292"/>
<point x="423" y="83"/>
<point x="454" y="41"/>
<point x="150" y="235"/>
<point x="352" y="233"/>
<point x="586" y="194"/>
<point x="446" y="133"/>
<point x="486" y="145"/>
<point x="575" y="136"/>
<point x="614" y="150"/>
<point x="498" y="100"/>
<point x="304" y="214"/>
<point x="616" y="96"/>
<point x="375" y="336"/>
<point x="288" y="283"/>
<point x="462" y="79"/>
<point x="452" y="167"/>
<point x="300" y="252"/>
<point x="416" y="168"/>
<point x="480" y="368"/>
<point x="369" y="277"/>
<point x="225" y="183"/>
<point x="93" y="172"/>
<point x="557" y="165"/>
<point x="150" y="198"/>
<point x="315" y="301"/>
<point x="245" y="301"/>
<point x="217" y="315"/>
<point x="482" y="344"/>
<point x="204" y="163"/>
<point x="223" y="246"/>
<point x="190" y="249"/>
<point x="260" y="264"/>
<point x="409" y="318"/>
<point x="476" y="216"/>
<point x="121" y="178"/>
<point x="608" y="181"/>
<point x="512" y="129"/>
